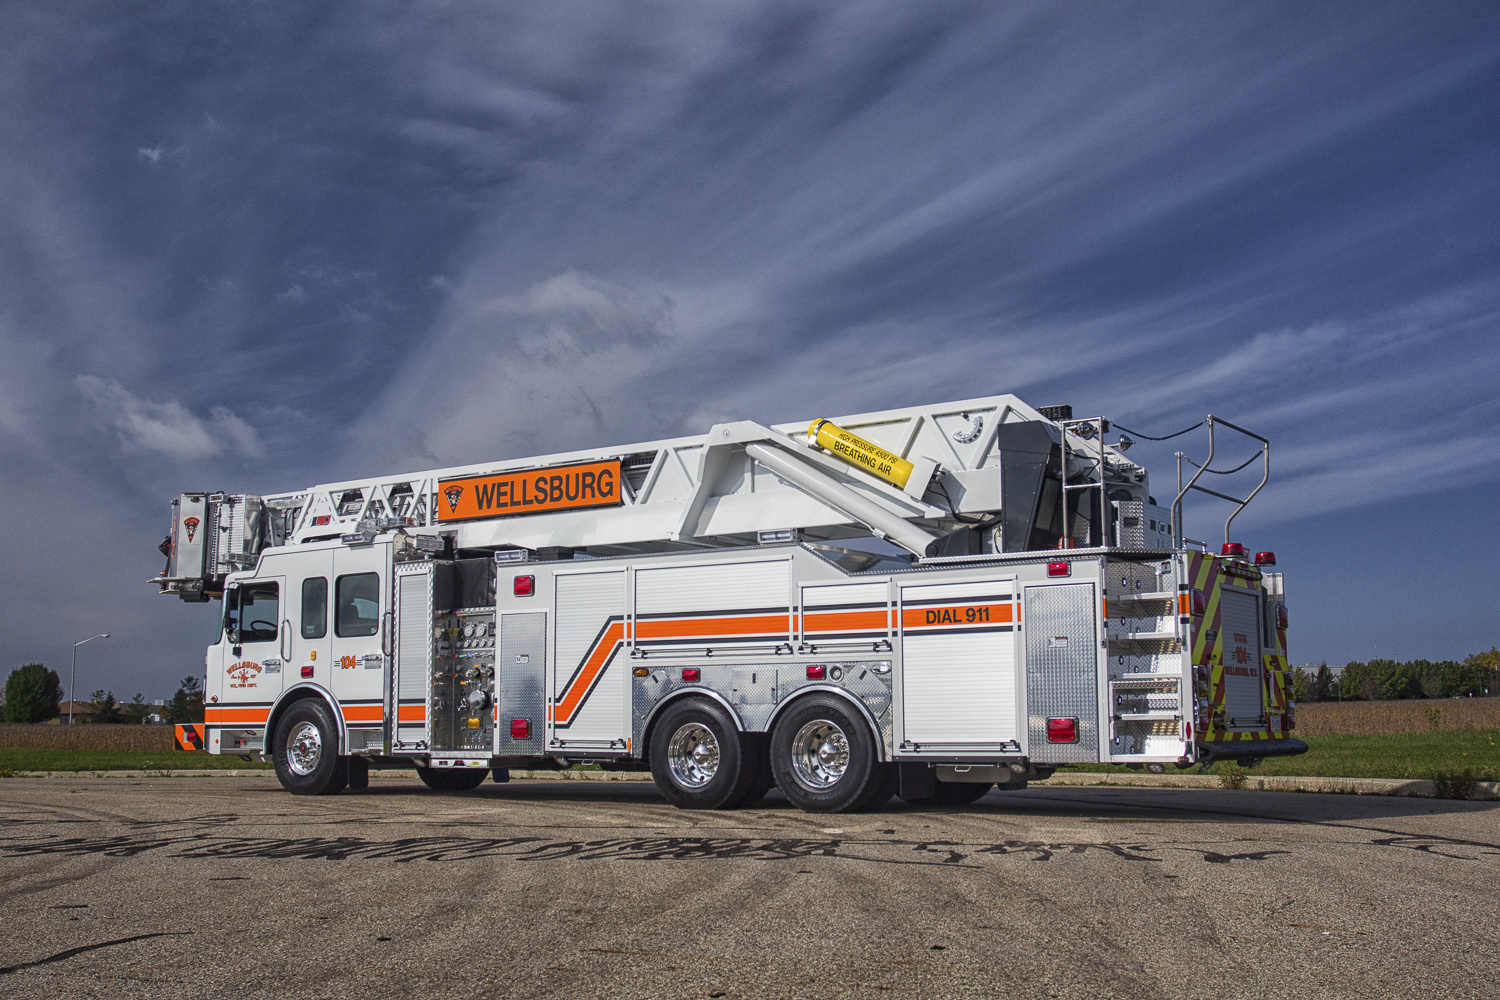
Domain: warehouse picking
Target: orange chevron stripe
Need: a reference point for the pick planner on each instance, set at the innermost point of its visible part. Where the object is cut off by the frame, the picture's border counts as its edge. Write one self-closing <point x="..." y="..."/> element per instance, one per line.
<point x="692" y="628"/>
<point x="845" y="621"/>
<point x="218" y="716"/>
<point x="593" y="665"/>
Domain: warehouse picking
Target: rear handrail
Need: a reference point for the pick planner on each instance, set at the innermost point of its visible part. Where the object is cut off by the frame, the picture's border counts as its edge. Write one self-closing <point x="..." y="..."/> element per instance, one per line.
<point x="1192" y="484"/>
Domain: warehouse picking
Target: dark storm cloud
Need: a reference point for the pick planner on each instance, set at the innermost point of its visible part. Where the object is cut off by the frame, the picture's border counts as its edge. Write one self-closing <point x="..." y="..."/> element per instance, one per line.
<point x="258" y="247"/>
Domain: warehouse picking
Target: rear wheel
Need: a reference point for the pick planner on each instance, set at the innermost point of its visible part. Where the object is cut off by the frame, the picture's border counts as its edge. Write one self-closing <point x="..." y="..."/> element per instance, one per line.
<point x="305" y="751"/>
<point x="452" y="779"/>
<point x="823" y="756"/>
<point x="699" y="759"/>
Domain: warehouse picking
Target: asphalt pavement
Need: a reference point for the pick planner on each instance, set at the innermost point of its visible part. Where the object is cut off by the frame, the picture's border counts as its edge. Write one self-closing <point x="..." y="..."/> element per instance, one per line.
<point x="229" y="887"/>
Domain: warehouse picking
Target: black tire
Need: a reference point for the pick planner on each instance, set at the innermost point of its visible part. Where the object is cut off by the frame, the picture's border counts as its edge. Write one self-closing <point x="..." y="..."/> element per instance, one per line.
<point x="305" y="750"/>
<point x="757" y="746"/>
<point x="883" y="790"/>
<point x="452" y="779"/>
<point x="699" y="759"/>
<point x="958" y="793"/>
<point x="823" y="756"/>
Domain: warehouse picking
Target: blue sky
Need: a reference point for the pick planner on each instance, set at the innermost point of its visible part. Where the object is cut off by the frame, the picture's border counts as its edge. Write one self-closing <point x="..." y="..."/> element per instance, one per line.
<point x="254" y="247"/>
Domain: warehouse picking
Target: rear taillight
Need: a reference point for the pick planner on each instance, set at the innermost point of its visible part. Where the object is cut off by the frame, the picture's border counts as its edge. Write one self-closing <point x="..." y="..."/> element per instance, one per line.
<point x="523" y="586"/>
<point x="1281" y="616"/>
<point x="815" y="673"/>
<point x="520" y="729"/>
<point x="1062" y="730"/>
<point x="1058" y="569"/>
<point x="1200" y="602"/>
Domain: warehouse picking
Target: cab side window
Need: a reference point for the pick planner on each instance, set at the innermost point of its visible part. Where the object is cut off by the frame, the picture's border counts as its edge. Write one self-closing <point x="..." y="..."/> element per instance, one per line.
<point x="259" y="607"/>
<point x="357" y="600"/>
<point x="315" y="607"/>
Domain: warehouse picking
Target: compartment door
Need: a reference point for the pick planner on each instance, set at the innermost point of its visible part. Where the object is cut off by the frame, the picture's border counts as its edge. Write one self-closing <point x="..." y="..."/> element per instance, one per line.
<point x="1062" y="669"/>
<point x="958" y="668"/>
<point x="413" y="650"/>
<point x="589" y="673"/>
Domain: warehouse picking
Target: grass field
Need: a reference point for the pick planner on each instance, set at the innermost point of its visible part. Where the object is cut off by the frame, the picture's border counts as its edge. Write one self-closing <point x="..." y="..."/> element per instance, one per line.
<point x="58" y="759"/>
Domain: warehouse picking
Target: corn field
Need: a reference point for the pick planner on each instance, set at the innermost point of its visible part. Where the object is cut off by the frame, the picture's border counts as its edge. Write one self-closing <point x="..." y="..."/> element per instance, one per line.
<point x="56" y="737"/>
<point x="1413" y="715"/>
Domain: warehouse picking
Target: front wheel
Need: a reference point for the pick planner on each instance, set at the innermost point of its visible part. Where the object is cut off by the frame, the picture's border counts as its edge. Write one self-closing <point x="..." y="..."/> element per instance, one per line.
<point x="823" y="757"/>
<point x="305" y="751"/>
<point x="453" y="779"/>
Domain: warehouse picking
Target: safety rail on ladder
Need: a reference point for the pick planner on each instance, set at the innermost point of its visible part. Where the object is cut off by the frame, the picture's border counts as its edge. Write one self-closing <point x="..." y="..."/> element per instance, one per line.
<point x="1088" y="429"/>
<point x="1192" y="484"/>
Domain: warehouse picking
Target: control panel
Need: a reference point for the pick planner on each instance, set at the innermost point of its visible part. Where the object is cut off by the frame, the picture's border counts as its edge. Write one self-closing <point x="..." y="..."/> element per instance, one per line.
<point x="462" y="708"/>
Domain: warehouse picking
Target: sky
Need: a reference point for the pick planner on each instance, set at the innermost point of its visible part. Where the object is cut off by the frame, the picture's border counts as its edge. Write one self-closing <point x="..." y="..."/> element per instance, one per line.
<point x="255" y="247"/>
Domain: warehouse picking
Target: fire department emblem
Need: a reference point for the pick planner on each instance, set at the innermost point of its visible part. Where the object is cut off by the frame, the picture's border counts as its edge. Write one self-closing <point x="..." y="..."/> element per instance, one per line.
<point x="191" y="524"/>
<point x="244" y="674"/>
<point x="452" y="493"/>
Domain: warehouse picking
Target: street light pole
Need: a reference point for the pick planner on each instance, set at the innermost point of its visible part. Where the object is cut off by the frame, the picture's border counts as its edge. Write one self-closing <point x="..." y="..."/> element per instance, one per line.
<point x="73" y="677"/>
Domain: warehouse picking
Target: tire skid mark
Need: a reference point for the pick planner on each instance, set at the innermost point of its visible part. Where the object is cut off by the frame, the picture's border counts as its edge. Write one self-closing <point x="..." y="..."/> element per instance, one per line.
<point x="62" y="955"/>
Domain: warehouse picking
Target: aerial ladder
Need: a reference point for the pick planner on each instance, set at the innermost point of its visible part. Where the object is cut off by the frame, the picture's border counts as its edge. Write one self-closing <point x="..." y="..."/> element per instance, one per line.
<point x="931" y="601"/>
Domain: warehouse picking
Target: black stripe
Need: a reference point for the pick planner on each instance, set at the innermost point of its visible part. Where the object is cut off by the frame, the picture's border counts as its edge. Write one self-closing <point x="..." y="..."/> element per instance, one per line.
<point x="948" y="602"/>
<point x="780" y="609"/>
<point x="598" y="638"/>
<point x="608" y="662"/>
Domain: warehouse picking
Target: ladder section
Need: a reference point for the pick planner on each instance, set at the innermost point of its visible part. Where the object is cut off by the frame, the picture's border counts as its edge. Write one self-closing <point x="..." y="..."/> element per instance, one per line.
<point x="720" y="488"/>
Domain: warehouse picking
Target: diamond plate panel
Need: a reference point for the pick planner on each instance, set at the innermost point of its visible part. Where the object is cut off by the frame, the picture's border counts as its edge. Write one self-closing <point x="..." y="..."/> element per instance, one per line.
<point x="1062" y="675"/>
<point x="520" y="688"/>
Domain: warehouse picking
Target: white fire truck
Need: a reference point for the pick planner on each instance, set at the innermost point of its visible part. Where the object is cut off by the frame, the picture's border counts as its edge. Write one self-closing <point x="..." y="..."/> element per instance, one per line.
<point x="927" y="602"/>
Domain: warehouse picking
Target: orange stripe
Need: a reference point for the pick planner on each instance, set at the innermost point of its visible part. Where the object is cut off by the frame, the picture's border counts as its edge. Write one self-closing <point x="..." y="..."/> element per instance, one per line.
<point x="411" y="713"/>
<point x="364" y="713"/>
<point x="592" y="665"/>
<point x="691" y="627"/>
<point x="844" y="621"/>
<point x="956" y="614"/>
<point x="219" y="716"/>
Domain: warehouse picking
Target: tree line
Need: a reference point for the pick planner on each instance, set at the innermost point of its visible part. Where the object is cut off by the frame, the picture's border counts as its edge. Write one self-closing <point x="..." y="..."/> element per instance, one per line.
<point x="1476" y="676"/>
<point x="33" y="693"/>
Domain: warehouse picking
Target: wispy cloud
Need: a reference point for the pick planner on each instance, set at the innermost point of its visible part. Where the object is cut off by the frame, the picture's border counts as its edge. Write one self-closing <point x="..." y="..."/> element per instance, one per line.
<point x="167" y="427"/>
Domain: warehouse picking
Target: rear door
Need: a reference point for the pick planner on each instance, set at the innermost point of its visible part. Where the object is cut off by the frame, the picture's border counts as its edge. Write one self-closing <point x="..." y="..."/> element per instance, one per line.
<point x="1239" y="632"/>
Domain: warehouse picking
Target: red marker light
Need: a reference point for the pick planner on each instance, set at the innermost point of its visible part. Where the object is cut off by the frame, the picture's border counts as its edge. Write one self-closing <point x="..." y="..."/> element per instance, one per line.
<point x="1059" y="569"/>
<point x="307" y="671"/>
<point x="523" y="586"/>
<point x="520" y="729"/>
<point x="1200" y="602"/>
<point x="691" y="674"/>
<point x="1265" y="559"/>
<point x="1281" y="616"/>
<point x="815" y="673"/>
<point x="1233" y="549"/>
<point x="1062" y="730"/>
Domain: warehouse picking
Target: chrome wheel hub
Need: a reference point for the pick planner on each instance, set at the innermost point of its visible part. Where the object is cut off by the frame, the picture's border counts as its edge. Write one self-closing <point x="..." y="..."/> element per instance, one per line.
<point x="693" y="755"/>
<point x="820" y="755"/>
<point x="304" y="748"/>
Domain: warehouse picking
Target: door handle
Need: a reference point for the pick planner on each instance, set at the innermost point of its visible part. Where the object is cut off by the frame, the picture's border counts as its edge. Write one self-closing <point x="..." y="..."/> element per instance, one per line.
<point x="387" y="636"/>
<point x="284" y="634"/>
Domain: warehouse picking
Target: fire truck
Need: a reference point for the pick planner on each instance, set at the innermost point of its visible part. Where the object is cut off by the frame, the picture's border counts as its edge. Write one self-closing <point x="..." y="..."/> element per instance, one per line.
<point x="926" y="602"/>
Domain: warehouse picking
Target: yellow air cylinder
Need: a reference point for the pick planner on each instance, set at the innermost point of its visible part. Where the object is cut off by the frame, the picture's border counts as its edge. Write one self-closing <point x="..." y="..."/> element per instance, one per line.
<point x="857" y="451"/>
